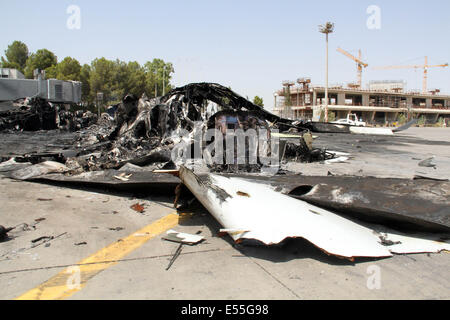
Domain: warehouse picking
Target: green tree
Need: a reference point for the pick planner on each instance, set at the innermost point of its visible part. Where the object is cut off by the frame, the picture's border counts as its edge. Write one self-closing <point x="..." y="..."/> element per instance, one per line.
<point x="422" y="121"/>
<point x="136" y="79"/>
<point x="68" y="69"/>
<point x="331" y="116"/>
<point x="43" y="59"/>
<point x="16" y="56"/>
<point x="402" y="119"/>
<point x="51" y="72"/>
<point x="116" y="79"/>
<point x="102" y="76"/>
<point x="258" y="101"/>
<point x="128" y="78"/>
<point x="119" y="80"/>
<point x="158" y="76"/>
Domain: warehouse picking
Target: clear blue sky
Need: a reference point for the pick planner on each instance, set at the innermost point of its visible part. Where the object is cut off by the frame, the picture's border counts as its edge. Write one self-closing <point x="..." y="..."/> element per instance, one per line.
<point x="249" y="45"/>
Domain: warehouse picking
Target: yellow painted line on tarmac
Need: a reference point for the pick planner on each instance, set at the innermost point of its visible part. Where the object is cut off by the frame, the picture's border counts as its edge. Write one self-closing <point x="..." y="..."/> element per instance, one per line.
<point x="73" y="279"/>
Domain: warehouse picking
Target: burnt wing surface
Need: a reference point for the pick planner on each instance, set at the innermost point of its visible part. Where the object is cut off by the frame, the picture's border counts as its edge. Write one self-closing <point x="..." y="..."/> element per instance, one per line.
<point x="401" y="203"/>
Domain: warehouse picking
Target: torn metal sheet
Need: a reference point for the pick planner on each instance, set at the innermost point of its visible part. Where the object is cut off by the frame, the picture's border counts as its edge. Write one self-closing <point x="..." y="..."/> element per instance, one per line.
<point x="401" y="243"/>
<point x="424" y="176"/>
<point x="38" y="170"/>
<point x="12" y="165"/>
<point x="373" y="131"/>
<point x="406" y="126"/>
<point x="327" y="127"/>
<point x="144" y="181"/>
<point x="260" y="213"/>
<point x="181" y="237"/>
<point x="420" y="205"/>
<point x="429" y="163"/>
<point x="343" y="128"/>
<point x="337" y="160"/>
<point x="134" y="168"/>
<point x="123" y="177"/>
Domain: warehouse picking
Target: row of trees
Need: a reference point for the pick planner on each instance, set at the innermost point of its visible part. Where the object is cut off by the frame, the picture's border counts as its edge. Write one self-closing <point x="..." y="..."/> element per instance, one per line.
<point x="114" y="78"/>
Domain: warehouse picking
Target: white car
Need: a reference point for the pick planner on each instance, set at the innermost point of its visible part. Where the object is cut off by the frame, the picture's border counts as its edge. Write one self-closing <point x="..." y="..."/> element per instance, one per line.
<point x="351" y="120"/>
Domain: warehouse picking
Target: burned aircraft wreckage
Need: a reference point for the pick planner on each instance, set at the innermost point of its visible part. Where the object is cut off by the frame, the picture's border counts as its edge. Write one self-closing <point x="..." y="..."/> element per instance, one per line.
<point x="33" y="114"/>
<point x="218" y="143"/>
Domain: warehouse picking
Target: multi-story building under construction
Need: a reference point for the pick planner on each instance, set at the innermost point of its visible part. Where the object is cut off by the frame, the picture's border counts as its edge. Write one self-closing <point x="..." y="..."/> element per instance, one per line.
<point x="381" y="103"/>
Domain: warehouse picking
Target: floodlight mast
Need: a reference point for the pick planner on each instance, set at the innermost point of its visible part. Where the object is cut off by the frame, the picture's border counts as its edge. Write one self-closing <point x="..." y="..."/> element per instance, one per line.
<point x="326" y="28"/>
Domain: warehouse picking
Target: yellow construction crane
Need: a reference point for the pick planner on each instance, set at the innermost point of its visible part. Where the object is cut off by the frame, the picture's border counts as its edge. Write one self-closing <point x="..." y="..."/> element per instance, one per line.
<point x="425" y="70"/>
<point x="358" y="61"/>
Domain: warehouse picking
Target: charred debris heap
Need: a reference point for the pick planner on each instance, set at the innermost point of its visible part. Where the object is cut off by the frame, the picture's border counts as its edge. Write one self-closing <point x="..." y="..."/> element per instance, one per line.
<point x="34" y="114"/>
<point x="340" y="215"/>
<point x="145" y="131"/>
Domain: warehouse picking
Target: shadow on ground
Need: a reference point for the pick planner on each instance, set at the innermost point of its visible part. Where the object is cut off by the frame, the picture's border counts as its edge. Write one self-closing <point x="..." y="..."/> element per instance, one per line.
<point x="289" y="249"/>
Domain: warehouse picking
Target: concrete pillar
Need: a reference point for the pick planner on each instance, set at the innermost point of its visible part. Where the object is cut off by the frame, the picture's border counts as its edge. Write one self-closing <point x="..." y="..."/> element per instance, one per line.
<point x="429" y="103"/>
<point x="314" y="102"/>
<point x="341" y="99"/>
<point x="436" y="118"/>
<point x="409" y="102"/>
<point x="365" y="100"/>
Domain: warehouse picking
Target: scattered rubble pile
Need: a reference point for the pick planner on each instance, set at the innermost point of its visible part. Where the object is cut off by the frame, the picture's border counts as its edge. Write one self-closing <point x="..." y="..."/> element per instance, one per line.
<point x="33" y="114"/>
<point x="144" y="131"/>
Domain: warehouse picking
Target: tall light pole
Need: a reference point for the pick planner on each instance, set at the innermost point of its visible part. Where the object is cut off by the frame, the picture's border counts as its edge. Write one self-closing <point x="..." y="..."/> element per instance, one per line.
<point x="326" y="29"/>
<point x="275" y="95"/>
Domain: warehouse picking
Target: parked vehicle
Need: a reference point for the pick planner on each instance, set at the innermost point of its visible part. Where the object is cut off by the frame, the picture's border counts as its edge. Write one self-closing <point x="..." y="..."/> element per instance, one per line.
<point x="352" y="120"/>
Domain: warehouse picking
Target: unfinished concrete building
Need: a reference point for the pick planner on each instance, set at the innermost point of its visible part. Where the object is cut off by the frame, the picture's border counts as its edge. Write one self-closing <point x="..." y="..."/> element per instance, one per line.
<point x="381" y="105"/>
